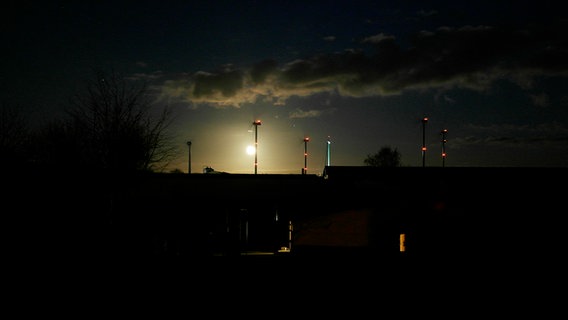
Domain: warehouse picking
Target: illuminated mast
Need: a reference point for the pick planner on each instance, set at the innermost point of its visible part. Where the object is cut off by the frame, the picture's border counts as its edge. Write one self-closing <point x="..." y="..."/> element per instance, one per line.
<point x="444" y="140"/>
<point x="256" y="123"/>
<point x="328" y="152"/>
<point x="424" y="120"/>
<point x="305" y="169"/>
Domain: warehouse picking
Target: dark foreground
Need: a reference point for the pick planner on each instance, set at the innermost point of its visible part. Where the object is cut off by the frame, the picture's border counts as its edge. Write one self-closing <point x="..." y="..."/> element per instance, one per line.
<point x="479" y="237"/>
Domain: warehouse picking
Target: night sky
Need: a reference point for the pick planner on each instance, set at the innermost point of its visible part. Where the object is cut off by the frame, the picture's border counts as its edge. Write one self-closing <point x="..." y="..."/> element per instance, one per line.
<point x="361" y="73"/>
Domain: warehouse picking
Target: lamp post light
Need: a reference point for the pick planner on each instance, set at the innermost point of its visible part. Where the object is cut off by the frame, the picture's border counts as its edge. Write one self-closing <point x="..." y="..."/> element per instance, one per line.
<point x="256" y="123"/>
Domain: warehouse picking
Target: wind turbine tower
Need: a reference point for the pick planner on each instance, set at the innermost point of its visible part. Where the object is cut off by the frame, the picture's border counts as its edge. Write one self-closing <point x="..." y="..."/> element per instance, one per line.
<point x="328" y="152"/>
<point x="444" y="140"/>
<point x="424" y="121"/>
<point x="256" y="123"/>
<point x="305" y="169"/>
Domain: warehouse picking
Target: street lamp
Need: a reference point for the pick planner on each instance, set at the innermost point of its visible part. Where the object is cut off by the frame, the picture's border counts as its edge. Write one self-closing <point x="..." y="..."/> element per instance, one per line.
<point x="189" y="157"/>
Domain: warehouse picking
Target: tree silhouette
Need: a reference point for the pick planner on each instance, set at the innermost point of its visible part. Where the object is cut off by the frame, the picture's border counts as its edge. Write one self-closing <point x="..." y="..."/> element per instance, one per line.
<point x="117" y="129"/>
<point x="385" y="157"/>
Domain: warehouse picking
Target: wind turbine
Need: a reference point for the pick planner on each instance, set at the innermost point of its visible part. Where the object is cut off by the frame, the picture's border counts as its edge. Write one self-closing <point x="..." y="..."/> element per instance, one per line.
<point x="424" y="121"/>
<point x="256" y="123"/>
<point x="305" y="169"/>
<point x="328" y="152"/>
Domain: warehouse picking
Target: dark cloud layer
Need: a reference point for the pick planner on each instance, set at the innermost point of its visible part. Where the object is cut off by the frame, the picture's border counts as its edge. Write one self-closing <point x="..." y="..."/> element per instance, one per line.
<point x="470" y="57"/>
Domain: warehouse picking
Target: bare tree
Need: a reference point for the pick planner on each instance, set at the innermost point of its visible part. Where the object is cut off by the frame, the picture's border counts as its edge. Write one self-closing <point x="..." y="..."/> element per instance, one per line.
<point x="385" y="157"/>
<point x="117" y="127"/>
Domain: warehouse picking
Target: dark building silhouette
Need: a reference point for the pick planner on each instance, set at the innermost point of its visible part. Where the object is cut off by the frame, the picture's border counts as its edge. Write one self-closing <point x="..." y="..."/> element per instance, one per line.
<point x="400" y="212"/>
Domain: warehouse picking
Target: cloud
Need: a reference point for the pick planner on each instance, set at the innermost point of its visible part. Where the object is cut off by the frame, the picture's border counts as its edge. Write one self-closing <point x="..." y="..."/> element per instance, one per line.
<point x="469" y="57"/>
<point x="552" y="134"/>
<point x="299" y="113"/>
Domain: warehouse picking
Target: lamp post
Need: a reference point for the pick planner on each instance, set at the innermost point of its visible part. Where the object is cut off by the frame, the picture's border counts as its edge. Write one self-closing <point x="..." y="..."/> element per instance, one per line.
<point x="424" y="120"/>
<point x="189" y="158"/>
<point x="256" y="123"/>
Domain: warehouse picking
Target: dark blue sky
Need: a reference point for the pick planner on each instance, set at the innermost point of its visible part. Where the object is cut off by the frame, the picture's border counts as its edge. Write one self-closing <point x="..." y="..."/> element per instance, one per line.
<point x="364" y="73"/>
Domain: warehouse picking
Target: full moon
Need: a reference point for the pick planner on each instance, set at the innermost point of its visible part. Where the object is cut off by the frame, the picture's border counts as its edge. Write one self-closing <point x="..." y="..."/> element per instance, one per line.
<point x="250" y="150"/>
